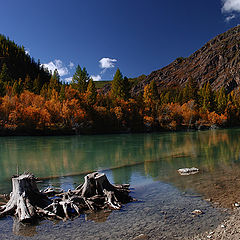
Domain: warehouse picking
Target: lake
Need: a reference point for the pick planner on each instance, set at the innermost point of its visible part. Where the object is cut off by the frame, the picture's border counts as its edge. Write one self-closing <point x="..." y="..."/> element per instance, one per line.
<point x="149" y="162"/>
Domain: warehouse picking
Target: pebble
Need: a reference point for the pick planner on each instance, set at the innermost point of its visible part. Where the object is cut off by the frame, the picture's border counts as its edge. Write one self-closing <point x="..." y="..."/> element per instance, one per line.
<point x="197" y="212"/>
<point x="210" y="235"/>
<point x="141" y="237"/>
<point x="223" y="226"/>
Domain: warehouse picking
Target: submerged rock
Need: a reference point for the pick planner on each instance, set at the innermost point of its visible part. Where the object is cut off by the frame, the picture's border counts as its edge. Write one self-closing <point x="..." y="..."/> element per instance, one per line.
<point x="188" y="171"/>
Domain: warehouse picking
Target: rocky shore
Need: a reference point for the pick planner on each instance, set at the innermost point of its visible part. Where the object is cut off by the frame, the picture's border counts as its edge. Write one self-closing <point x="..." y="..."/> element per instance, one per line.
<point x="229" y="229"/>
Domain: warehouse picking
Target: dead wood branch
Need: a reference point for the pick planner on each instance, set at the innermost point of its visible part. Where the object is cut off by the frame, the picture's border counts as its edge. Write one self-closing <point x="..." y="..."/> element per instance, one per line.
<point x="27" y="202"/>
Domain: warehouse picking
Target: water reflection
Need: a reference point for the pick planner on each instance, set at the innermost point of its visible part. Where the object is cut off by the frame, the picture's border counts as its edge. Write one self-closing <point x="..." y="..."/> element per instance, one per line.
<point x="157" y="156"/>
<point x="26" y="230"/>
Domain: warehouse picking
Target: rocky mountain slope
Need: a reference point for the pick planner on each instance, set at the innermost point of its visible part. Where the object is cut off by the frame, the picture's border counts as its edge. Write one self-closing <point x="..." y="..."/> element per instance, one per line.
<point x="218" y="62"/>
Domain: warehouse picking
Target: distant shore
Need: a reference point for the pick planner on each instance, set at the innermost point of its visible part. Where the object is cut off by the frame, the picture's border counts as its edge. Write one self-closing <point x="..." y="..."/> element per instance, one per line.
<point x="71" y="132"/>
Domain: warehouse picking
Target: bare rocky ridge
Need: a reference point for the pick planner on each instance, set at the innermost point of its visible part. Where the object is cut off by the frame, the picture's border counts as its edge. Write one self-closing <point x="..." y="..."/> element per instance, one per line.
<point x="218" y="62"/>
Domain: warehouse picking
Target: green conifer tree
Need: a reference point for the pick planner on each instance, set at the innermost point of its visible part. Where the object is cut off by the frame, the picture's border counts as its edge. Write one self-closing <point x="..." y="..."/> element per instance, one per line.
<point x="17" y="87"/>
<point x="80" y="79"/>
<point x="120" y="86"/>
<point x="4" y="75"/>
<point x="190" y="91"/>
<point x="126" y="88"/>
<point x="28" y="83"/>
<point x="37" y="85"/>
<point x="2" y="88"/>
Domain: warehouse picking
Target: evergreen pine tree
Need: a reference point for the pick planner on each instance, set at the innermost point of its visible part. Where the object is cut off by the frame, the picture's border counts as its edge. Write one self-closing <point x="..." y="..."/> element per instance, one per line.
<point x="4" y="75"/>
<point x="28" y="83"/>
<point x="37" y="85"/>
<point x="80" y="79"/>
<point x="126" y="88"/>
<point x="17" y="87"/>
<point x="2" y="88"/>
<point x="190" y="91"/>
<point x="120" y="86"/>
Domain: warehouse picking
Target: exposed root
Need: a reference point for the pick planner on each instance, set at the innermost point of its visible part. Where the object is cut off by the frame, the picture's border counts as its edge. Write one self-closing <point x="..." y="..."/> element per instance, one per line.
<point x="26" y="202"/>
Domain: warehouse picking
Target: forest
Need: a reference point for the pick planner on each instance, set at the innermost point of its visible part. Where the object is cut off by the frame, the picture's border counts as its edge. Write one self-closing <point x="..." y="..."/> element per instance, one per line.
<point x="34" y="101"/>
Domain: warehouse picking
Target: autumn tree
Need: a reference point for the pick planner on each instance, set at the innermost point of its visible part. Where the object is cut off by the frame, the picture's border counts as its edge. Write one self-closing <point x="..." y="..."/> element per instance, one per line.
<point x="91" y="93"/>
<point x="206" y="97"/>
<point x="221" y="100"/>
<point x="54" y="82"/>
<point x="150" y="95"/>
<point x="62" y="93"/>
<point x="17" y="87"/>
<point x="44" y="91"/>
<point x="190" y="91"/>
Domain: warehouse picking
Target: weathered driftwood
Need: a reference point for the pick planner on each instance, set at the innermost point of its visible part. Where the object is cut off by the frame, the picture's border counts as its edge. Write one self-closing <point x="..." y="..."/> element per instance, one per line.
<point x="24" y="198"/>
<point x="27" y="202"/>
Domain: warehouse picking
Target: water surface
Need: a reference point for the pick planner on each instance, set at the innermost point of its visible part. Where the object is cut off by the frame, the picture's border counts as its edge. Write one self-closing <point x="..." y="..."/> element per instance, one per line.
<point x="149" y="163"/>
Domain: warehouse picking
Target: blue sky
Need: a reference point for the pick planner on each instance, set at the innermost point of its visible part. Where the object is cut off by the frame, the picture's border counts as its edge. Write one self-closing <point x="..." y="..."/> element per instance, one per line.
<point x="138" y="36"/>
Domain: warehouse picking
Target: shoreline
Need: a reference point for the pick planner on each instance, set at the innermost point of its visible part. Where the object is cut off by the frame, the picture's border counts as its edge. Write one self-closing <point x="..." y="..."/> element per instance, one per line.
<point x="229" y="229"/>
<point x="162" y="212"/>
<point x="72" y="132"/>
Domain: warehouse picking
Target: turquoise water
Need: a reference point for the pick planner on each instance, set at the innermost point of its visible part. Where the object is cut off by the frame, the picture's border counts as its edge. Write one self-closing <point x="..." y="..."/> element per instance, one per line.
<point x="160" y="154"/>
<point x="149" y="162"/>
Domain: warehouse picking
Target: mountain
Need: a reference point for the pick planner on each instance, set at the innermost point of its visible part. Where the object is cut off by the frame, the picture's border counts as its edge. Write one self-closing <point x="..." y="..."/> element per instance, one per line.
<point x="218" y="62"/>
<point x="19" y="64"/>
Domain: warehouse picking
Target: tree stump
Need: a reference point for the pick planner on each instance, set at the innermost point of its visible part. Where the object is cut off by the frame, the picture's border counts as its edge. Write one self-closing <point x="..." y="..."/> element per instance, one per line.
<point x="97" y="184"/>
<point x="28" y="203"/>
<point x="24" y="198"/>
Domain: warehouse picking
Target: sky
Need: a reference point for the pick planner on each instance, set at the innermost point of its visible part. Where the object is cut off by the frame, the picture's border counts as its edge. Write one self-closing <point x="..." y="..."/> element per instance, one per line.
<point x="136" y="36"/>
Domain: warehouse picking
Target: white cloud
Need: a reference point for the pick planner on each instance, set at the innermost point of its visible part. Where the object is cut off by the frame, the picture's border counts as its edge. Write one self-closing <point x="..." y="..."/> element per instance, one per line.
<point x="96" y="78"/>
<point x="68" y="79"/>
<point x="57" y="64"/>
<point x="71" y="65"/>
<point x="107" y="63"/>
<point x="229" y="18"/>
<point x="231" y="6"/>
